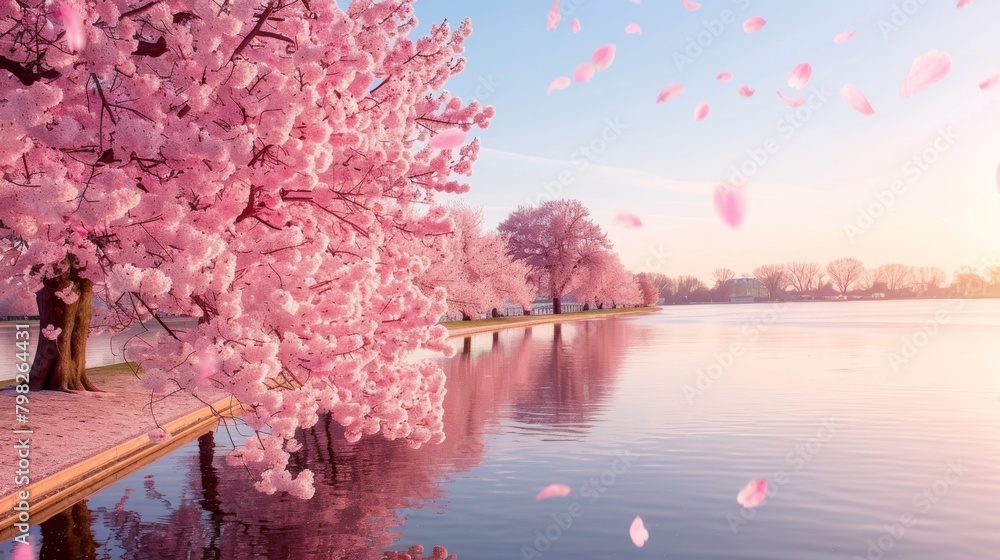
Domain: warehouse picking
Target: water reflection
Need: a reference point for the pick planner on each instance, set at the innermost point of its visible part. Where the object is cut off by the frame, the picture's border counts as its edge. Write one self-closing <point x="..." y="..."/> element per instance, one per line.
<point x="200" y="507"/>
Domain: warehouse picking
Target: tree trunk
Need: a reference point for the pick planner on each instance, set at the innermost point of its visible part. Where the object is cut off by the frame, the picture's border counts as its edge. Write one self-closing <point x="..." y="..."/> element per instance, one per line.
<point x="466" y="317"/>
<point x="467" y="345"/>
<point x="526" y="311"/>
<point x="61" y="364"/>
<point x="495" y="312"/>
<point x="556" y="306"/>
<point x="68" y="534"/>
<point x="586" y="307"/>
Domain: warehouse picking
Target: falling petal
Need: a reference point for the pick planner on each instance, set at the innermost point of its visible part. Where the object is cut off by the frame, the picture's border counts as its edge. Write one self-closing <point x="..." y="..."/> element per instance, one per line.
<point x="633" y="28"/>
<point x="76" y="39"/>
<point x="856" y="99"/>
<point x="724" y="77"/>
<point x="691" y="6"/>
<point x="23" y="551"/>
<point x="584" y="72"/>
<point x="552" y="490"/>
<point x="701" y="111"/>
<point x="754" y="24"/>
<point x="603" y="57"/>
<point x="745" y="90"/>
<point x="753" y="493"/>
<point x="627" y="220"/>
<point x="792" y="101"/>
<point x="731" y="204"/>
<point x="208" y="363"/>
<point x="799" y="78"/>
<point x="990" y="82"/>
<point x="964" y="3"/>
<point x="562" y="82"/>
<point x="554" y="16"/>
<point x="670" y="92"/>
<point x="451" y="138"/>
<point x="638" y="532"/>
<point x="574" y="24"/>
<point x="844" y="37"/>
<point x="927" y="70"/>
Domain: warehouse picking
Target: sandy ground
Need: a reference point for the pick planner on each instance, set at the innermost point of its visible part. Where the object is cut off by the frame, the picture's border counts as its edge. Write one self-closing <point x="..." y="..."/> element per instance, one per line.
<point x="69" y="428"/>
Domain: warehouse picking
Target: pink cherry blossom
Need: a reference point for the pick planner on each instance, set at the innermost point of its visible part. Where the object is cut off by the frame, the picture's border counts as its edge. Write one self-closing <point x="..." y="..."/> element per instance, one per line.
<point x="553" y="490"/>
<point x="844" y="37"/>
<point x="23" y="551"/>
<point x="754" y="24"/>
<point x="745" y="90"/>
<point x="627" y="220"/>
<point x="670" y="92"/>
<point x="724" y="77"/>
<point x="753" y="494"/>
<point x="856" y="99"/>
<point x="701" y="111"/>
<point x="731" y="204"/>
<point x="633" y="28"/>
<point x="964" y="3"/>
<point x="574" y="24"/>
<point x="603" y="57"/>
<point x="208" y="363"/>
<point x="799" y="77"/>
<point x="584" y="72"/>
<point x="552" y="21"/>
<point x="637" y="532"/>
<point x="448" y="139"/>
<point x="562" y="82"/>
<point x="51" y="332"/>
<point x="927" y="70"/>
<point x="159" y="435"/>
<point x="990" y="82"/>
<point x="76" y="37"/>
<point x="605" y="280"/>
<point x="792" y="101"/>
<point x="691" y="5"/>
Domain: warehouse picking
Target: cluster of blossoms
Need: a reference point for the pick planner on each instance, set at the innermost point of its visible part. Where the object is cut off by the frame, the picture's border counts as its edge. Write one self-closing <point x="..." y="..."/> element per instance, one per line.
<point x="263" y="166"/>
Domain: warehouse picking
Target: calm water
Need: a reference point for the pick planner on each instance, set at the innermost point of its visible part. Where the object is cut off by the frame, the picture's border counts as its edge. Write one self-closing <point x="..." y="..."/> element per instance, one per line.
<point x="869" y="455"/>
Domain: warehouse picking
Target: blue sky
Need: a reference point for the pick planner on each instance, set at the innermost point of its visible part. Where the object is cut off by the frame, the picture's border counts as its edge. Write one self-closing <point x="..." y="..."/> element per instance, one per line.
<point x="658" y="162"/>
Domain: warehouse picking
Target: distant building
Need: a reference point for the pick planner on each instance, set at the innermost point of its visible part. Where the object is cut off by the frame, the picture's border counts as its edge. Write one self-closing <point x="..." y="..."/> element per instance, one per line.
<point x="744" y="290"/>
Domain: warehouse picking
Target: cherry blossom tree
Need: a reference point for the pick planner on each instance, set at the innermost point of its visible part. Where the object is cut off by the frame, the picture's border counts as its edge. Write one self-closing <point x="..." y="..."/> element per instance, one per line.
<point x="557" y="241"/>
<point x="472" y="266"/>
<point x="254" y="164"/>
<point x="650" y="295"/>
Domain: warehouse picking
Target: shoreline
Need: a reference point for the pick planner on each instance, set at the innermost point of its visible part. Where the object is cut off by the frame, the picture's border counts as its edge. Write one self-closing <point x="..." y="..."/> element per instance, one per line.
<point x="78" y="477"/>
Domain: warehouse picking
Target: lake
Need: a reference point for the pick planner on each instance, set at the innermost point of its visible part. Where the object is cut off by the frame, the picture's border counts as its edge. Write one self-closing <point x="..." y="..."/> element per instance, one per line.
<point x="877" y="425"/>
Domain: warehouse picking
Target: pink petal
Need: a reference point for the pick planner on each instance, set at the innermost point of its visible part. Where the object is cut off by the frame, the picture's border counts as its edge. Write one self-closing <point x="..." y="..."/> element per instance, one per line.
<point x="691" y="6"/>
<point x="552" y="490"/>
<point x="753" y="493"/>
<point x="562" y="82"/>
<point x="701" y="111"/>
<point x="990" y="82"/>
<point x="76" y="39"/>
<point x="844" y="37"/>
<point x="603" y="57"/>
<point x="964" y="3"/>
<point x="451" y="138"/>
<point x="23" y="552"/>
<point x="724" y="77"/>
<point x="927" y="70"/>
<point x="754" y="24"/>
<point x="799" y="78"/>
<point x="574" y="24"/>
<point x="638" y="532"/>
<point x="731" y="204"/>
<point x="745" y="90"/>
<point x="554" y="16"/>
<point x="670" y="92"/>
<point x="792" y="101"/>
<point x="633" y="28"/>
<point x="856" y="99"/>
<point x="208" y="363"/>
<point x="627" y="220"/>
<point x="584" y="72"/>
